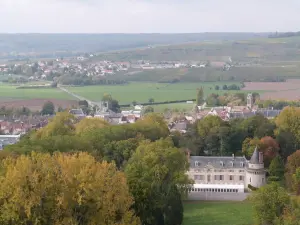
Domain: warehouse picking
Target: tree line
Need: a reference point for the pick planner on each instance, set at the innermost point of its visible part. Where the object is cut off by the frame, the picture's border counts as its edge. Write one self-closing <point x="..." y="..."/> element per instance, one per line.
<point x="97" y="174"/>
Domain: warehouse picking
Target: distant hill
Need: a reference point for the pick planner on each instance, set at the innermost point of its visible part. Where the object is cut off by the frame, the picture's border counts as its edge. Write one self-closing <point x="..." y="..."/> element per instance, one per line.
<point x="284" y="35"/>
<point x="49" y="45"/>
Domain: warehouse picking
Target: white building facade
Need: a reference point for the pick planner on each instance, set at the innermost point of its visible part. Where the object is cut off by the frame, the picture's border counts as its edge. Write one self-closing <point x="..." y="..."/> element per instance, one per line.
<point x="226" y="174"/>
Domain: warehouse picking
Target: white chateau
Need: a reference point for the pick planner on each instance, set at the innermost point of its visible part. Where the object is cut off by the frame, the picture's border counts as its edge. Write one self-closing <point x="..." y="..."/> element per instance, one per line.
<point x="225" y="174"/>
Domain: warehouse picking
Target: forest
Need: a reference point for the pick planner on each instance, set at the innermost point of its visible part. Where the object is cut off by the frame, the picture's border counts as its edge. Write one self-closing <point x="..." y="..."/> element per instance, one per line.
<point x="91" y="172"/>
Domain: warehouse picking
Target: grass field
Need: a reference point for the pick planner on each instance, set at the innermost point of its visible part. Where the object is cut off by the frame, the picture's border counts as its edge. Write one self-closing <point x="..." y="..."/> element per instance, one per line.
<point x="141" y="92"/>
<point x="217" y="213"/>
<point x="10" y="92"/>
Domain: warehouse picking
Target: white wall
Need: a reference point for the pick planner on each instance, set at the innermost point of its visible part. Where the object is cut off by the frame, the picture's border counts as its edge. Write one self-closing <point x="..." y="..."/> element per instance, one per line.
<point x="256" y="180"/>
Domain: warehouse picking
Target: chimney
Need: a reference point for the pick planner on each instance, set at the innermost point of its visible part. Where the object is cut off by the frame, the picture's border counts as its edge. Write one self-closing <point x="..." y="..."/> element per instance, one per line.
<point x="261" y="158"/>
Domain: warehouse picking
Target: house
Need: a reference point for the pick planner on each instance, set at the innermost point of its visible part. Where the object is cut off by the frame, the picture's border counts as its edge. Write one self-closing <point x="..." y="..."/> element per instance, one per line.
<point x="8" y="140"/>
<point x="138" y="107"/>
<point x="225" y="177"/>
<point x="179" y="126"/>
<point x="78" y="113"/>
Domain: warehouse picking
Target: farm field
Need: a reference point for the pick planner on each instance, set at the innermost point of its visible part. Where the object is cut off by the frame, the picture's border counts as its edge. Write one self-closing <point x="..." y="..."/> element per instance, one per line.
<point x="142" y="91"/>
<point x="11" y="92"/>
<point x="289" y="90"/>
<point x="217" y="213"/>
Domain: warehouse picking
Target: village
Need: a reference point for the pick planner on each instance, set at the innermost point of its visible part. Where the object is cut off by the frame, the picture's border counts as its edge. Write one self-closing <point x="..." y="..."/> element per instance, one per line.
<point x="12" y="126"/>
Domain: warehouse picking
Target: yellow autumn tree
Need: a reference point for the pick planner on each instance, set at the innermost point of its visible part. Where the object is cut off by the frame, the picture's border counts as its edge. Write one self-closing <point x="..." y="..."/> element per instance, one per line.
<point x="90" y="124"/>
<point x="64" y="189"/>
<point x="61" y="124"/>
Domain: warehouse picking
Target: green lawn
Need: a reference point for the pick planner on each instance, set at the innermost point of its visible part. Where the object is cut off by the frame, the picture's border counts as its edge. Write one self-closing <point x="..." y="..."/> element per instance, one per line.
<point x="217" y="213"/>
<point x="11" y="92"/>
<point x="142" y="91"/>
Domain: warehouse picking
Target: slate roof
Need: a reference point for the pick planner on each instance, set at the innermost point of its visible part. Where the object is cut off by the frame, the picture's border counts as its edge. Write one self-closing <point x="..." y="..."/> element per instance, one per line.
<point x="218" y="162"/>
<point x="255" y="157"/>
<point x="77" y="112"/>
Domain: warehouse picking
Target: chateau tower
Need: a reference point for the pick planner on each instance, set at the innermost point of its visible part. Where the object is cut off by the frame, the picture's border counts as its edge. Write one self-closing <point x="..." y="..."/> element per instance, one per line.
<point x="250" y="101"/>
<point x="255" y="171"/>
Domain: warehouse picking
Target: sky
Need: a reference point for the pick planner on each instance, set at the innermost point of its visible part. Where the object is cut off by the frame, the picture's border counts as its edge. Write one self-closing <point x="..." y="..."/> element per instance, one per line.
<point x="148" y="16"/>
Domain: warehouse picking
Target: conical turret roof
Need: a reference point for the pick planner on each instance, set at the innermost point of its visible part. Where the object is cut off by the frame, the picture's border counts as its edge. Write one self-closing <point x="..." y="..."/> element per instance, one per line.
<point x="255" y="157"/>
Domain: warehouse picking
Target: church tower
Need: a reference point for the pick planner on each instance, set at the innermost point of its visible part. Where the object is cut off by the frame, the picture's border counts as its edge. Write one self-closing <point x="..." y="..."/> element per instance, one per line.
<point x="250" y="101"/>
<point x="255" y="171"/>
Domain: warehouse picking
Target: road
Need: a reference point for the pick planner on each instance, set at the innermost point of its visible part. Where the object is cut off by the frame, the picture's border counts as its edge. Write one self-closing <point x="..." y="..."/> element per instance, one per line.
<point x="80" y="98"/>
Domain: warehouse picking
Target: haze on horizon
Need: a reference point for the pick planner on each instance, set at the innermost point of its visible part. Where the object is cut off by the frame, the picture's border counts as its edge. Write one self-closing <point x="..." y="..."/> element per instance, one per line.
<point x="148" y="16"/>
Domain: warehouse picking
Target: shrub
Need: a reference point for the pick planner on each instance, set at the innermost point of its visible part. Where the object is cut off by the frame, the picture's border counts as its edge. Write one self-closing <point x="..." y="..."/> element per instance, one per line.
<point x="273" y="178"/>
<point x="252" y="188"/>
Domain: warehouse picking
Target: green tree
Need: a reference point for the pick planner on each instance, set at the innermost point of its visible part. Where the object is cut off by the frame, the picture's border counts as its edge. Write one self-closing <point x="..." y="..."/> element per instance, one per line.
<point x="87" y="124"/>
<point x="217" y="87"/>
<point x="204" y="126"/>
<point x="293" y="162"/>
<point x="63" y="189"/>
<point x="200" y="96"/>
<point x="277" y="167"/>
<point x="151" y="100"/>
<point x="288" y="120"/>
<point x="249" y="145"/>
<point x="156" y="176"/>
<point x="269" y="203"/>
<point x="112" y="103"/>
<point x="148" y="109"/>
<point x="48" y="108"/>
<point x="61" y="124"/>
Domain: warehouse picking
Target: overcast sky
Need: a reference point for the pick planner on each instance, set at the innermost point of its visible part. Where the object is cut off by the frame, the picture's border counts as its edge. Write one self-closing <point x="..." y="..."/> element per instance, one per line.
<point x="148" y="16"/>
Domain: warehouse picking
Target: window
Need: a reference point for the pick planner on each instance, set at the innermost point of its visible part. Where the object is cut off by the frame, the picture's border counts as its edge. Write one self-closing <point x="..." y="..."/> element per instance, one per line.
<point x="231" y="171"/>
<point x="198" y="177"/>
<point x="242" y="164"/>
<point x="263" y="180"/>
<point x="221" y="177"/>
<point x="197" y="163"/>
<point x="241" y="178"/>
<point x="250" y="179"/>
<point x="241" y="171"/>
<point x="230" y="177"/>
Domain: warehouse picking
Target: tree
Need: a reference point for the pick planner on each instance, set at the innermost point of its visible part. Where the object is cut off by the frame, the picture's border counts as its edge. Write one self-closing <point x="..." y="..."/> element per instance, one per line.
<point x="270" y="149"/>
<point x="293" y="162"/>
<point x="258" y="126"/>
<point x="291" y="214"/>
<point x="112" y="103"/>
<point x="89" y="124"/>
<point x="225" y="87"/>
<point x="134" y="103"/>
<point x="276" y="167"/>
<point x="269" y="203"/>
<point x="156" y="176"/>
<point x="289" y="120"/>
<point x="205" y="125"/>
<point x="151" y="100"/>
<point x="83" y="103"/>
<point x="48" y="108"/>
<point x="287" y="143"/>
<point x="63" y="189"/>
<point x="217" y="87"/>
<point x="148" y="109"/>
<point x="61" y="124"/>
<point x="200" y="96"/>
<point x="249" y="145"/>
